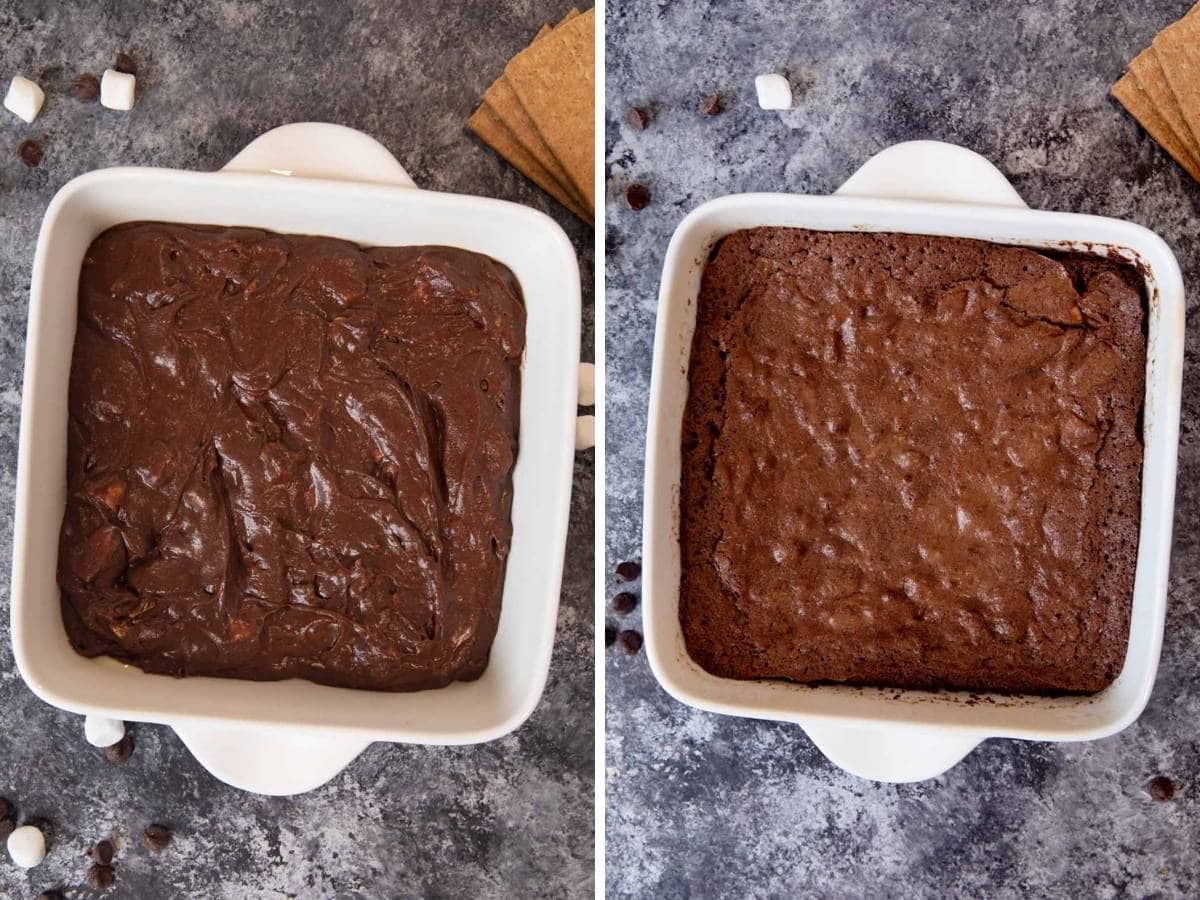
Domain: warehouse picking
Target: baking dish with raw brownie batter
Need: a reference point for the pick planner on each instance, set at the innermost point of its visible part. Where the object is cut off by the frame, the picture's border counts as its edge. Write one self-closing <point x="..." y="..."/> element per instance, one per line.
<point x="910" y="465"/>
<point x="347" y="482"/>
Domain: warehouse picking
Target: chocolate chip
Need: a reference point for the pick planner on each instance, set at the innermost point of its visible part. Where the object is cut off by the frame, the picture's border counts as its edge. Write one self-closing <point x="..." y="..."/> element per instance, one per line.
<point x="101" y="878"/>
<point x="1161" y="788"/>
<point x="637" y="196"/>
<point x="7" y="810"/>
<point x="102" y="853"/>
<point x="126" y="64"/>
<point x="628" y="571"/>
<point x="610" y="635"/>
<point x="120" y="751"/>
<point x="30" y="153"/>
<point x="156" y="837"/>
<point x="624" y="603"/>
<point x="7" y="827"/>
<point x="87" y="88"/>
<point x="712" y="105"/>
<point x="637" y="118"/>
<point x="630" y="641"/>
<point x="51" y="895"/>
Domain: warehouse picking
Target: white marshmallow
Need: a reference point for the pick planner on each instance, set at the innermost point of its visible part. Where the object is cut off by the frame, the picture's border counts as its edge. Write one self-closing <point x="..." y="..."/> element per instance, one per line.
<point x="101" y="732"/>
<point x="587" y="384"/>
<point x="27" y="846"/>
<point x="585" y="432"/>
<point x="24" y="98"/>
<point x="116" y="89"/>
<point x="773" y="91"/>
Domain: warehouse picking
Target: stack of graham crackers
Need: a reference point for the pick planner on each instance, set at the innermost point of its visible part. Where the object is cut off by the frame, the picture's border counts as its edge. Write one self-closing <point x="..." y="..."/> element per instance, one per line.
<point x="539" y="115"/>
<point x="1162" y="90"/>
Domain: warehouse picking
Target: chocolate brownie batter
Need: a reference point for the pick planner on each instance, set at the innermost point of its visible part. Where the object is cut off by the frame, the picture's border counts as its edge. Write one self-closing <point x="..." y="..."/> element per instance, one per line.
<point x="912" y="461"/>
<point x="290" y="456"/>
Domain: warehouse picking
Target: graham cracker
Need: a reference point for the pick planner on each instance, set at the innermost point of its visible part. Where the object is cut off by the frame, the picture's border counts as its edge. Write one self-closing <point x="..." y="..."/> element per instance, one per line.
<point x="507" y="109"/>
<point x="571" y="13"/>
<point x="496" y="134"/>
<point x="512" y="137"/>
<point x="555" y="81"/>
<point x="1131" y="95"/>
<point x="1178" y="49"/>
<point x="504" y="105"/>
<point x="1148" y="72"/>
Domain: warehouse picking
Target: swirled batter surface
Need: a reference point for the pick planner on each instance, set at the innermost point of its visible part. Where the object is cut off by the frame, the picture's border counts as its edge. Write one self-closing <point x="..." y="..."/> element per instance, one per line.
<point x="290" y="456"/>
<point x="912" y="461"/>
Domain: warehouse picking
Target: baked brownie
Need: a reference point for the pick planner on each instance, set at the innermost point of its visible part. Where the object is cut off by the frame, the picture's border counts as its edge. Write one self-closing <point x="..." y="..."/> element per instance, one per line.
<point x="290" y="456"/>
<point x="912" y="461"/>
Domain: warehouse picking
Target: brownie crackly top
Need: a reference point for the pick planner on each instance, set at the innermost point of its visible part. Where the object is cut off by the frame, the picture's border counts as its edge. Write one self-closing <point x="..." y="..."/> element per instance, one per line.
<point x="290" y="456"/>
<point x="912" y="461"/>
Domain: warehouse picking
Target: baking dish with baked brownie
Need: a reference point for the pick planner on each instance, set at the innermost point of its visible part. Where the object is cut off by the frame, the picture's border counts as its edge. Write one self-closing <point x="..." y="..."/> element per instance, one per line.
<point x="910" y="464"/>
<point x="911" y="460"/>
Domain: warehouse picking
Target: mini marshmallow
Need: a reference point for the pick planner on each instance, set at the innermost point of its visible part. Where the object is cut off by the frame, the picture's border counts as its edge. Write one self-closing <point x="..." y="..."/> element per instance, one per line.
<point x="27" y="846"/>
<point x="587" y="384"/>
<point x="101" y="732"/>
<point x="24" y="98"/>
<point x="773" y="91"/>
<point x="116" y="89"/>
<point x="585" y="432"/>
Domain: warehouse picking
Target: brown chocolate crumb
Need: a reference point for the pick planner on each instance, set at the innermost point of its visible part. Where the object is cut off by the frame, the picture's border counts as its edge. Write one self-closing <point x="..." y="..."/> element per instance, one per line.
<point x="637" y="196"/>
<point x="51" y="895"/>
<point x="101" y="878"/>
<point x="120" y="751"/>
<point x="712" y="105"/>
<point x="610" y="635"/>
<point x="628" y="571"/>
<point x="102" y="853"/>
<point x="156" y="837"/>
<point x="31" y="153"/>
<point x="7" y="827"/>
<point x="125" y="63"/>
<point x="1161" y="788"/>
<point x="87" y="88"/>
<point x="7" y="810"/>
<point x="637" y="118"/>
<point x="630" y="641"/>
<point x="624" y="603"/>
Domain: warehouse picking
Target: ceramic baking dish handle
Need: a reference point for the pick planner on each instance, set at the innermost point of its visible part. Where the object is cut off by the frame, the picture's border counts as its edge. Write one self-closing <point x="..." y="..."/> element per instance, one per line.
<point x="274" y="761"/>
<point x="931" y="171"/>
<point x="321" y="150"/>
<point x="892" y="753"/>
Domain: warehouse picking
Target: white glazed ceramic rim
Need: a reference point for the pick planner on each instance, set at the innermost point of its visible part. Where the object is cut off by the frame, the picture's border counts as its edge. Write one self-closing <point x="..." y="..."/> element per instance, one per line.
<point x="290" y="736"/>
<point x="922" y="187"/>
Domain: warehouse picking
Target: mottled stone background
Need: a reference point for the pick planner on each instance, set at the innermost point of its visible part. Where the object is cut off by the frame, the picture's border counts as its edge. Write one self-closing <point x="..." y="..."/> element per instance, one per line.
<point x="708" y="806"/>
<point x="511" y="818"/>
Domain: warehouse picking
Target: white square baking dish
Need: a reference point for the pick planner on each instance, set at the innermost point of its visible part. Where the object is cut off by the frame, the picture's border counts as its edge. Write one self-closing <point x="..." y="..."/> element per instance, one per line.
<point x="289" y="736"/>
<point x="921" y="187"/>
